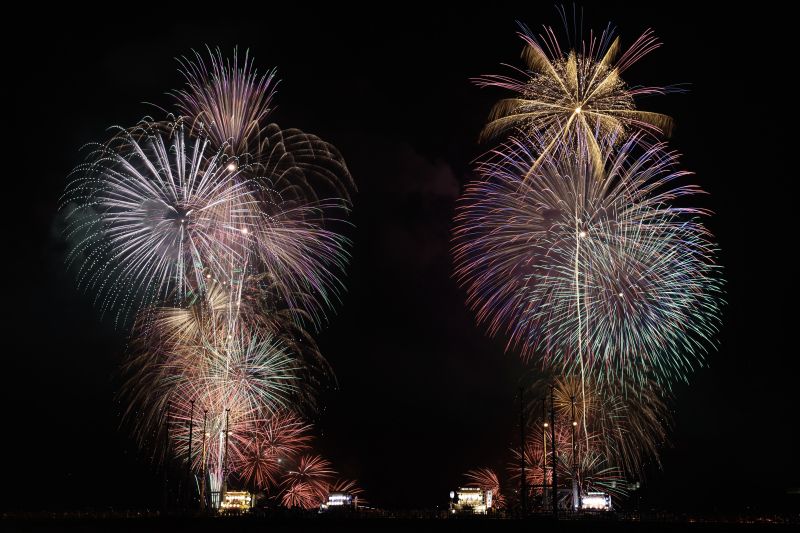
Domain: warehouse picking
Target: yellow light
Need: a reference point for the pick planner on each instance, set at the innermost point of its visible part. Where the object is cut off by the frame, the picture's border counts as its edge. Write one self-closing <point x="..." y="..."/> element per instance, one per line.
<point x="231" y="167"/>
<point x="577" y="110"/>
<point x="574" y="423"/>
<point x="244" y="230"/>
<point x="546" y="424"/>
<point x="582" y="234"/>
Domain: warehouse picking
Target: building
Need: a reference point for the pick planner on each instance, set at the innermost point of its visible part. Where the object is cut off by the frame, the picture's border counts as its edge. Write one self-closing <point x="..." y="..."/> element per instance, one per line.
<point x="470" y="500"/>
<point x="237" y="502"/>
<point x="596" y="501"/>
<point x="340" y="501"/>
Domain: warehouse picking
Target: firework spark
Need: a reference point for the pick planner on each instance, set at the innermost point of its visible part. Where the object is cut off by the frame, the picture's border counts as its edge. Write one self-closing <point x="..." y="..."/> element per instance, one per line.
<point x="600" y="277"/>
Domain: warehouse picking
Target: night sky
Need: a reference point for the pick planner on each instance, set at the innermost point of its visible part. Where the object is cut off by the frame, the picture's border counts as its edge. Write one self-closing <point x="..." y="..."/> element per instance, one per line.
<point x="423" y="394"/>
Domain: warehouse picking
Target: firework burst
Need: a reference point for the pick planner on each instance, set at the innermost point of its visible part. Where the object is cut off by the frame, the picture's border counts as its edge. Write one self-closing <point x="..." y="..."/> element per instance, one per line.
<point x="581" y="465"/>
<point x="154" y="215"/>
<point x="266" y="446"/>
<point x="307" y="485"/>
<point x="306" y="176"/>
<point x="226" y="395"/>
<point x="250" y="306"/>
<point x="487" y="480"/>
<point x="215" y="230"/>
<point x="629" y="425"/>
<point x="227" y="98"/>
<point x="576" y="94"/>
<point x="604" y="277"/>
<point x="232" y="102"/>
<point x="157" y="216"/>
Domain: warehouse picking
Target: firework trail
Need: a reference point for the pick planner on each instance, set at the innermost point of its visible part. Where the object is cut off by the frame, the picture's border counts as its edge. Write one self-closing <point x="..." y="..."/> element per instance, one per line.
<point x="566" y="95"/>
<point x="600" y="277"/>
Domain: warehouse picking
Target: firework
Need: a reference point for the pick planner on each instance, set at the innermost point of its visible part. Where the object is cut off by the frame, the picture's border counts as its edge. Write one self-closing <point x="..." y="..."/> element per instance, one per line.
<point x="307" y="485"/>
<point x="232" y="102"/>
<point x="250" y="306"/>
<point x="581" y="465"/>
<point x="598" y="277"/>
<point x="216" y="230"/>
<point x="153" y="216"/>
<point x="229" y="99"/>
<point x="157" y="216"/>
<point x="266" y="446"/>
<point x="349" y="486"/>
<point x="305" y="175"/>
<point x="223" y="394"/>
<point x="486" y="479"/>
<point x="630" y="425"/>
<point x="575" y="94"/>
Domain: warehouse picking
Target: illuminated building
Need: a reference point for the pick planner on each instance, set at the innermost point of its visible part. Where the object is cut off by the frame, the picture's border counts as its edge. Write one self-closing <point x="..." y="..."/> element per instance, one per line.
<point x="339" y="500"/>
<point x="470" y="500"/>
<point x="237" y="502"/>
<point x="596" y="501"/>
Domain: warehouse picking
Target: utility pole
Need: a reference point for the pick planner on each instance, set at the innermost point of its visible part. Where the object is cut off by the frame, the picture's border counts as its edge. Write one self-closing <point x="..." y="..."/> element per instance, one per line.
<point x="523" y="485"/>
<point x="203" y="467"/>
<point x="224" y="486"/>
<point x="555" y="448"/>
<point x="189" y="490"/>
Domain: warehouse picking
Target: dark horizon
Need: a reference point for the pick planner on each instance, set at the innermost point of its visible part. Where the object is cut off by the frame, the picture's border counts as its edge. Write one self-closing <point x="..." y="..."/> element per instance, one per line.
<point x="394" y="95"/>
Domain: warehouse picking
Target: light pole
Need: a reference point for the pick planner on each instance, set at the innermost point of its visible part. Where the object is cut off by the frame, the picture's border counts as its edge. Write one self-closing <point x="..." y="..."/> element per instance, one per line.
<point x="224" y="487"/>
<point x="545" y="425"/>
<point x="576" y="493"/>
<point x="523" y="489"/>
<point x="555" y="449"/>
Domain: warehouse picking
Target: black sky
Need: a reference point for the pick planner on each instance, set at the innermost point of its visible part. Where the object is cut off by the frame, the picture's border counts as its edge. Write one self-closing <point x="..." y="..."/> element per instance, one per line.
<point x="390" y="88"/>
